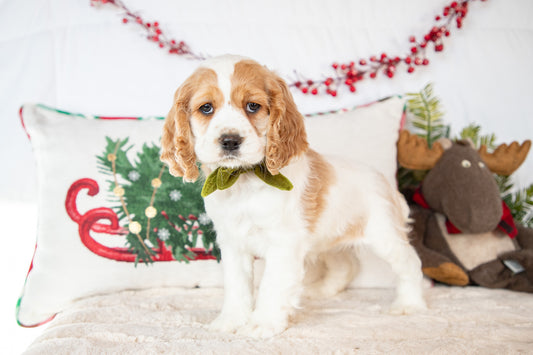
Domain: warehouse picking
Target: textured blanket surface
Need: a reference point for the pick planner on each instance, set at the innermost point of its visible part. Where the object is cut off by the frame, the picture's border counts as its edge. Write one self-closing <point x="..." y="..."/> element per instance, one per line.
<point x="467" y="320"/>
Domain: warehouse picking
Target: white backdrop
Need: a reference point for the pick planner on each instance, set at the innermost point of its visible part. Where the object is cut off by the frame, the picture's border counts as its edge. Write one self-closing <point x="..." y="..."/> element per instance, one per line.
<point x="67" y="54"/>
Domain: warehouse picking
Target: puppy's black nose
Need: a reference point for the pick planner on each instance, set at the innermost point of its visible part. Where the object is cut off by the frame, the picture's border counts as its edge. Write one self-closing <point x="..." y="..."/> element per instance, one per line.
<point x="230" y="142"/>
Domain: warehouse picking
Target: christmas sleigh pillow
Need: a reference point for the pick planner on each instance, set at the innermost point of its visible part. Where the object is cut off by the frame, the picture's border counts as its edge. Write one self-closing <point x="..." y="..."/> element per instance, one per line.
<point x="111" y="217"/>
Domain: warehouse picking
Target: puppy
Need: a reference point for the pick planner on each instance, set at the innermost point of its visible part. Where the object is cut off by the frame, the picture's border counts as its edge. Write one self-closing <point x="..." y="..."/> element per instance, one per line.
<point x="271" y="196"/>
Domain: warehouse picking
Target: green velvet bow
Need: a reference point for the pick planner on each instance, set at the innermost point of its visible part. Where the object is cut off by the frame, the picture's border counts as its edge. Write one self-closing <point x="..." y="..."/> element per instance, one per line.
<point x="224" y="178"/>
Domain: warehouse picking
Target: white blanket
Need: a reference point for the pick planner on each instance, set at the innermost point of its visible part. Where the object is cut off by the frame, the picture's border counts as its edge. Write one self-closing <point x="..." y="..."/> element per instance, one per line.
<point x="171" y="321"/>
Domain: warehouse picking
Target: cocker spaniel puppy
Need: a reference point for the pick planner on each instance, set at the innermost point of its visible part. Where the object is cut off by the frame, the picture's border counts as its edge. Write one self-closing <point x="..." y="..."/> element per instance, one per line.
<point x="271" y="196"/>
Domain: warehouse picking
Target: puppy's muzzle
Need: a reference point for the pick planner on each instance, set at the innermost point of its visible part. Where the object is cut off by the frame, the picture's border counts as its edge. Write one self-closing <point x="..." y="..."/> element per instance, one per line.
<point x="230" y="142"/>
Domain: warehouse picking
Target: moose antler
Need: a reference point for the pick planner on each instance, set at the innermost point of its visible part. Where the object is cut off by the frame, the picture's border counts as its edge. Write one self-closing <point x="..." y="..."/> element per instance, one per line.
<point x="506" y="158"/>
<point x="414" y="153"/>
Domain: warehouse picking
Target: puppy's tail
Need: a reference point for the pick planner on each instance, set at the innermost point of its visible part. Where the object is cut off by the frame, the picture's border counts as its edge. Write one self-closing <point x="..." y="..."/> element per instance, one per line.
<point x="402" y="212"/>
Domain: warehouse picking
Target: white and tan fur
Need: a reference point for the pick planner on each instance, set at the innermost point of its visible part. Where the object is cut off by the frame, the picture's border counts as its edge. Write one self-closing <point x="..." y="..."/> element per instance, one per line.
<point x="313" y="228"/>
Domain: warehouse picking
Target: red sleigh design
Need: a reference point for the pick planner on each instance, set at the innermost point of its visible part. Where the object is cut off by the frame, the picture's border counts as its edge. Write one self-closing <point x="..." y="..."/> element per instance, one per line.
<point x="90" y="221"/>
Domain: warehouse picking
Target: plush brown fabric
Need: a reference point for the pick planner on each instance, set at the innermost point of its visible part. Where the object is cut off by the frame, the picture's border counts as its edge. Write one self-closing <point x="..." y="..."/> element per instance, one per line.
<point x="495" y="274"/>
<point x="447" y="273"/>
<point x="524" y="237"/>
<point x="433" y="250"/>
<point x="467" y="196"/>
<point x="462" y="189"/>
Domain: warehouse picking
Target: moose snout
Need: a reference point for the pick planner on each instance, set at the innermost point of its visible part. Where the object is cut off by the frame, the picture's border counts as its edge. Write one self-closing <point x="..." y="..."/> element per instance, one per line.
<point x="230" y="142"/>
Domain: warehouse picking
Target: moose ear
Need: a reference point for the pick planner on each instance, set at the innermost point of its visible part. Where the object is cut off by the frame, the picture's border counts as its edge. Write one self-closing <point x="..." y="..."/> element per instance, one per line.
<point x="286" y="136"/>
<point x="177" y="141"/>
<point x="446" y="143"/>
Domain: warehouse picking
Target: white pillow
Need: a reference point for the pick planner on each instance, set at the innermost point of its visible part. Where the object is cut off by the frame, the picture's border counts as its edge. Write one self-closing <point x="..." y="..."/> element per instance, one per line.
<point x="66" y="147"/>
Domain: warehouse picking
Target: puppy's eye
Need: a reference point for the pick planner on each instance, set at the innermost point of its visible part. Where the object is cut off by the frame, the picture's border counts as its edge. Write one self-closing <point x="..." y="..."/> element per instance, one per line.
<point x="207" y="109"/>
<point x="252" y="107"/>
<point x="466" y="163"/>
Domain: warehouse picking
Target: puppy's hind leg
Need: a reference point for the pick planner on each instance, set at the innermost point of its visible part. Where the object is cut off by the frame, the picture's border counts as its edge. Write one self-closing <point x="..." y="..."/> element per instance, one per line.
<point x="335" y="269"/>
<point x="386" y="234"/>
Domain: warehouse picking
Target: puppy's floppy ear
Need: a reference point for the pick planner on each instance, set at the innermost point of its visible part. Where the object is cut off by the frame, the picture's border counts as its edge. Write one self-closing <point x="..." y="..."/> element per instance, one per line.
<point x="286" y="136"/>
<point x="177" y="141"/>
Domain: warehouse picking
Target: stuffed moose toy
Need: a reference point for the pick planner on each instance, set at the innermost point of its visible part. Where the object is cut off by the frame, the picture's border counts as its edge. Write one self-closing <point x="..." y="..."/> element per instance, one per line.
<point x="462" y="230"/>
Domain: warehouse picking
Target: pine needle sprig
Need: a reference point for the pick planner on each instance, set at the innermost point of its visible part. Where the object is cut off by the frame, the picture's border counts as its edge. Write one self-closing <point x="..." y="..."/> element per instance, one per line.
<point x="472" y="132"/>
<point x="426" y="114"/>
<point x="521" y="205"/>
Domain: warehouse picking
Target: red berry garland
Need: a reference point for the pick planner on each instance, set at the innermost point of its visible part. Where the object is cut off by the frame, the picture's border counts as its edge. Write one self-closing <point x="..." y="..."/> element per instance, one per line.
<point x="154" y="32"/>
<point x="349" y="74"/>
<point x="346" y="74"/>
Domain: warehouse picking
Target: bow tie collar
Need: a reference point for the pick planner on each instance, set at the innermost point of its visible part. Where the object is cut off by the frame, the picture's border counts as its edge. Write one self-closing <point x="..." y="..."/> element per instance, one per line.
<point x="223" y="178"/>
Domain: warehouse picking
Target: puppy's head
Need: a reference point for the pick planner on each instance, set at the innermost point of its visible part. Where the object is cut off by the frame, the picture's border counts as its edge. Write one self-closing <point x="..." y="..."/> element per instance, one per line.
<point x="231" y="112"/>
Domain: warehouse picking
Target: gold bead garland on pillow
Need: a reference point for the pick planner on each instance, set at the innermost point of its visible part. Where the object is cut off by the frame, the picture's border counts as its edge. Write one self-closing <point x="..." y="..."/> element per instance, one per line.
<point x="135" y="227"/>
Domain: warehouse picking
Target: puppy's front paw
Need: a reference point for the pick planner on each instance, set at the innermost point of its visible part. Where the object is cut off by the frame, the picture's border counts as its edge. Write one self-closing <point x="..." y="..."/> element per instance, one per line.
<point x="261" y="327"/>
<point x="227" y="323"/>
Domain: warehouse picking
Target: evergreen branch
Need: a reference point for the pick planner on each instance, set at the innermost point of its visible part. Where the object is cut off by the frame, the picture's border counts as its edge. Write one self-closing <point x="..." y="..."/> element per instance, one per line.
<point x="426" y="114"/>
<point x="473" y="132"/>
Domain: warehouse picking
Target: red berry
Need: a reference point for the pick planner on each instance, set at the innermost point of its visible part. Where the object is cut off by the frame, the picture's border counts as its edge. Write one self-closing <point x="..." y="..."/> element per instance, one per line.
<point x="352" y="88"/>
<point x="425" y="61"/>
<point x="439" y="47"/>
<point x="161" y="44"/>
<point x="309" y="82"/>
<point x="335" y="65"/>
<point x="124" y="20"/>
<point x="314" y="91"/>
<point x="437" y="18"/>
<point x="362" y="62"/>
<point x="305" y="90"/>
<point x="408" y="60"/>
<point x="418" y="61"/>
<point x="414" y="50"/>
<point x="156" y="24"/>
<point x="333" y="93"/>
<point x="373" y="75"/>
<point x="412" y="39"/>
<point x="297" y="84"/>
<point x="410" y="70"/>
